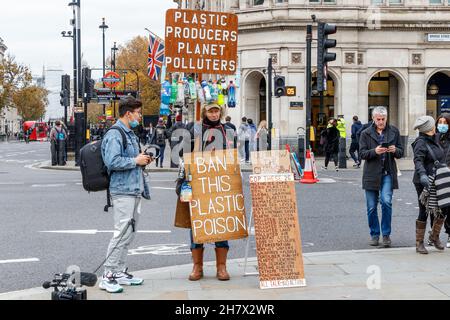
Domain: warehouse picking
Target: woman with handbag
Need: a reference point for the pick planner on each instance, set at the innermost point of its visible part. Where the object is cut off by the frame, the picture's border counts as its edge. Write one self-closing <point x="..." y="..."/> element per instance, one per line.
<point x="206" y="132"/>
<point x="426" y="152"/>
<point x="443" y="138"/>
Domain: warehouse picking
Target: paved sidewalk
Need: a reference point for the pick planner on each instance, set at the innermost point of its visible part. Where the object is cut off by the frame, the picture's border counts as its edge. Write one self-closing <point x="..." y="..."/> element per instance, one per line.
<point x="342" y="275"/>
<point x="403" y="165"/>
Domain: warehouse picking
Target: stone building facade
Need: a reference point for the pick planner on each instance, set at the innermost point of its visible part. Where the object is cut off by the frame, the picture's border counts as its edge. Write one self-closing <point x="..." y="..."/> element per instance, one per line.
<point x="393" y="53"/>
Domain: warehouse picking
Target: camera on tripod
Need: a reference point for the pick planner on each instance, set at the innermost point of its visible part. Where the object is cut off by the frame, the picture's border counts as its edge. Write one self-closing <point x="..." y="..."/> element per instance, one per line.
<point x="65" y="286"/>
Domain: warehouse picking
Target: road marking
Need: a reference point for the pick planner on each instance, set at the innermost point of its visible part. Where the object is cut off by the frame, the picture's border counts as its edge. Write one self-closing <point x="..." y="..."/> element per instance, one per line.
<point x="55" y="185"/>
<point x="93" y="231"/>
<point x="326" y="180"/>
<point x="408" y="203"/>
<point x="162" y="250"/>
<point x="11" y="183"/>
<point x="162" y="188"/>
<point x="19" y="260"/>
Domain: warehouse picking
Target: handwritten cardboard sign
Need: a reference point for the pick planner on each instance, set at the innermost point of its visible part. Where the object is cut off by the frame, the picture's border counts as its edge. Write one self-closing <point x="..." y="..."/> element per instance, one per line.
<point x="277" y="231"/>
<point x="273" y="161"/>
<point x="217" y="207"/>
<point x="201" y="41"/>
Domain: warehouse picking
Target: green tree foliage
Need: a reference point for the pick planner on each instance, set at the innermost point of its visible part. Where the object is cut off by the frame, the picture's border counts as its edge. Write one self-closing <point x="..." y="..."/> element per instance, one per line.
<point x="13" y="78"/>
<point x="30" y="102"/>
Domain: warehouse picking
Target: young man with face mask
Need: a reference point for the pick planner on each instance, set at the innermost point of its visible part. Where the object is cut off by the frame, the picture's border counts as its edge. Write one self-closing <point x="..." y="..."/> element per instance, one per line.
<point x="127" y="183"/>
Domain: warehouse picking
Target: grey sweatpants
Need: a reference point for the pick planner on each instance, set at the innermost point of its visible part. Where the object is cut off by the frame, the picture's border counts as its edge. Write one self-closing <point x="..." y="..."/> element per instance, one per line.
<point x="125" y="208"/>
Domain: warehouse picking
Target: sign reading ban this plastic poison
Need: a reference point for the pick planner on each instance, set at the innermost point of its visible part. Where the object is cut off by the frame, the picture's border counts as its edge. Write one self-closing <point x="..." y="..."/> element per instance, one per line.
<point x="277" y="231"/>
<point x="217" y="207"/>
<point x="201" y="42"/>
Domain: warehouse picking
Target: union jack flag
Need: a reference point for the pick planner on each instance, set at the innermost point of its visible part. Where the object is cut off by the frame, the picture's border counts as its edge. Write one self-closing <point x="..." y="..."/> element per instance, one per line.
<point x="155" y="57"/>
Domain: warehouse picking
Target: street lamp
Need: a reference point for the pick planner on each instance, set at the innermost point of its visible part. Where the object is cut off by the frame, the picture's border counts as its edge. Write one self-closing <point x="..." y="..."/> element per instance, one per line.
<point x="103" y="26"/>
<point x="113" y="64"/>
<point x="433" y="89"/>
<point x="113" y="53"/>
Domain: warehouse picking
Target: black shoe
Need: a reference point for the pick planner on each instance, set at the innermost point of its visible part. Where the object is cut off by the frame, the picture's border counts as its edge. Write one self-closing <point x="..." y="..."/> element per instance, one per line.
<point x="386" y="241"/>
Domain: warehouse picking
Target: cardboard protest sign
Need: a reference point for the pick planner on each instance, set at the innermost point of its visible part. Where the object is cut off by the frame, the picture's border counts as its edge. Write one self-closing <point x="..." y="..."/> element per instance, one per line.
<point x="217" y="207"/>
<point x="277" y="231"/>
<point x="273" y="161"/>
<point x="201" y="42"/>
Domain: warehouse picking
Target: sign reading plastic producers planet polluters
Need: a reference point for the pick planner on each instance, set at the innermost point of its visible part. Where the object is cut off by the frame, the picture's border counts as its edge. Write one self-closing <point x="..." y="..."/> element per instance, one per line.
<point x="111" y="79"/>
<point x="201" y="42"/>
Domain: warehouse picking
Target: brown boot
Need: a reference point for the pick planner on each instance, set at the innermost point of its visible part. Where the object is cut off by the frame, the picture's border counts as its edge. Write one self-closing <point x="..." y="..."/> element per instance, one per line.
<point x="420" y="234"/>
<point x="221" y="264"/>
<point x="436" y="230"/>
<point x="197" y="271"/>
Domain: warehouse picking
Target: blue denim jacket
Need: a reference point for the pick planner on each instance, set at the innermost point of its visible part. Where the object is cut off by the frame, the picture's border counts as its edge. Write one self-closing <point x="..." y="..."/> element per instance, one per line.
<point x="126" y="176"/>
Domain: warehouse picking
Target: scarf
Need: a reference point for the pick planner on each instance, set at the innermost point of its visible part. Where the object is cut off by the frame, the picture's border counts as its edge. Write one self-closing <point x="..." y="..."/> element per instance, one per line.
<point x="428" y="198"/>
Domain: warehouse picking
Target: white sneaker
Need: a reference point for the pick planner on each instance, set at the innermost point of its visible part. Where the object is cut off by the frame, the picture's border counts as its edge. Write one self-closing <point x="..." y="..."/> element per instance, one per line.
<point x="124" y="278"/>
<point x="448" y="242"/>
<point x="110" y="284"/>
<point x="337" y="169"/>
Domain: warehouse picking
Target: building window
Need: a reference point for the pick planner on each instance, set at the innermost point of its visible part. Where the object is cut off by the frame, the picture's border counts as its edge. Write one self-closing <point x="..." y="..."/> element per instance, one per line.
<point x="322" y="1"/>
<point x="438" y="2"/>
<point x="386" y="2"/>
<point x="257" y="2"/>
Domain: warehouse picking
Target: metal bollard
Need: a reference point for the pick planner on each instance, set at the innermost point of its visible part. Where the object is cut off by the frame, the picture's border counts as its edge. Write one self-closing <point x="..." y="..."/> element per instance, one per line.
<point x="342" y="157"/>
<point x="301" y="136"/>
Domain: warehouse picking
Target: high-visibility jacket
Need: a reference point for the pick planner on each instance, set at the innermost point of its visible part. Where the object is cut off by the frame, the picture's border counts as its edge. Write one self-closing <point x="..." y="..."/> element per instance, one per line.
<point x="341" y="127"/>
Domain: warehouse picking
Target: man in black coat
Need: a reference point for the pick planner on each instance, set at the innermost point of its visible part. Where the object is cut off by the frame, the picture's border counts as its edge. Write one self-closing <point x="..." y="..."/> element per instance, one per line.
<point x="380" y="145"/>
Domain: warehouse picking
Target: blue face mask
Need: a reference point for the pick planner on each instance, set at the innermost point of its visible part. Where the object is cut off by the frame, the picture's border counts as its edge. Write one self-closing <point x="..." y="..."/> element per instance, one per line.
<point x="133" y="123"/>
<point x="443" y="128"/>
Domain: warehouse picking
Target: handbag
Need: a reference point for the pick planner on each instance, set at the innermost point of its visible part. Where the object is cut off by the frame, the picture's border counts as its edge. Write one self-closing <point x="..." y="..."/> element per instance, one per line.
<point x="441" y="180"/>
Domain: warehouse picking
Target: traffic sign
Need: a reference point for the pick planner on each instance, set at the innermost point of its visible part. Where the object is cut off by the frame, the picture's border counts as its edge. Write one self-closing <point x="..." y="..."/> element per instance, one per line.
<point x="111" y="79"/>
<point x="201" y="42"/>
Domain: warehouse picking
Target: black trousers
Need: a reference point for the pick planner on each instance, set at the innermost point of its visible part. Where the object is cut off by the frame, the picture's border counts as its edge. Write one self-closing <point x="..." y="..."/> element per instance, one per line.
<point x="354" y="146"/>
<point x="328" y="155"/>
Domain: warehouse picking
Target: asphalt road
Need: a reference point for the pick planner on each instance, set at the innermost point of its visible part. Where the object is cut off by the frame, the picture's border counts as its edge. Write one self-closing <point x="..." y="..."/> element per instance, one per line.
<point x="34" y="203"/>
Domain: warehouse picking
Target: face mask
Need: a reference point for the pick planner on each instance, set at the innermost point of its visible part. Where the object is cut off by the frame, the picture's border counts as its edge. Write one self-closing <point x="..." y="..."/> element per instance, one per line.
<point x="133" y="123"/>
<point x="443" y="128"/>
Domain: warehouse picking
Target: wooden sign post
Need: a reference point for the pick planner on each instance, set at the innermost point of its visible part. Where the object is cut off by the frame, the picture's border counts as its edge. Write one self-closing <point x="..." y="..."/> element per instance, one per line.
<point x="201" y="42"/>
<point x="217" y="207"/>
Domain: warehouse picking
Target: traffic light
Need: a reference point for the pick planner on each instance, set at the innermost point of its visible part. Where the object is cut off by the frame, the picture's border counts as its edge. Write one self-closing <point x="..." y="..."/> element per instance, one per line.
<point x="65" y="90"/>
<point x="280" y="86"/>
<point x="323" y="56"/>
<point x="88" y="85"/>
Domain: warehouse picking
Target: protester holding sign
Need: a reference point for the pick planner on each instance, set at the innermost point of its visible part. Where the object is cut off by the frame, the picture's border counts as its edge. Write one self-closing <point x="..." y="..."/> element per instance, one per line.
<point x="209" y="134"/>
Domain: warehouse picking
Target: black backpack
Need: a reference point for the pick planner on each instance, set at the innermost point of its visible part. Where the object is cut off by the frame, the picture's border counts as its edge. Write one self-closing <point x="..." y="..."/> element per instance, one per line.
<point x="160" y="136"/>
<point x="93" y="170"/>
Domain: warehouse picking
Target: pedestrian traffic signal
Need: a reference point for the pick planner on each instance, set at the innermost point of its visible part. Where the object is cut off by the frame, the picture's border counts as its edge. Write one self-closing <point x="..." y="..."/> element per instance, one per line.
<point x="280" y="86"/>
<point x="65" y="90"/>
<point x="323" y="56"/>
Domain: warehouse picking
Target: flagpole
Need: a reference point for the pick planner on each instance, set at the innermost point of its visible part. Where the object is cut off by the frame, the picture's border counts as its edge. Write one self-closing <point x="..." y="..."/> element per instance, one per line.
<point x="155" y="35"/>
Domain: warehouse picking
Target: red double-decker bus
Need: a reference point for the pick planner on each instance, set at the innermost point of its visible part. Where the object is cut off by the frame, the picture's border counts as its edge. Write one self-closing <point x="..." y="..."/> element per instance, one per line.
<point x="38" y="130"/>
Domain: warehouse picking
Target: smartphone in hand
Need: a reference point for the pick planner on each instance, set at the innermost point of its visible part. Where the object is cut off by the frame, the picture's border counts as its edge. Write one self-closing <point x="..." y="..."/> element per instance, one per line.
<point x="385" y="145"/>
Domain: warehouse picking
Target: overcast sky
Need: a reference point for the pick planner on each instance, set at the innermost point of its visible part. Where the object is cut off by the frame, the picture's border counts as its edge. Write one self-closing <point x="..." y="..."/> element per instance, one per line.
<point x="31" y="29"/>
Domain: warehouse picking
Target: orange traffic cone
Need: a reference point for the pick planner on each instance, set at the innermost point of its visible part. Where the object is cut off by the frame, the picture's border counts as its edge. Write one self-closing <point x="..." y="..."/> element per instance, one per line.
<point x="308" y="174"/>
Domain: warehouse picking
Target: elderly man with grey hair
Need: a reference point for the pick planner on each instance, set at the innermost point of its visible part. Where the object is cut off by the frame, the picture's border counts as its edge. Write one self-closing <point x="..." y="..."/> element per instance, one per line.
<point x="379" y="146"/>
